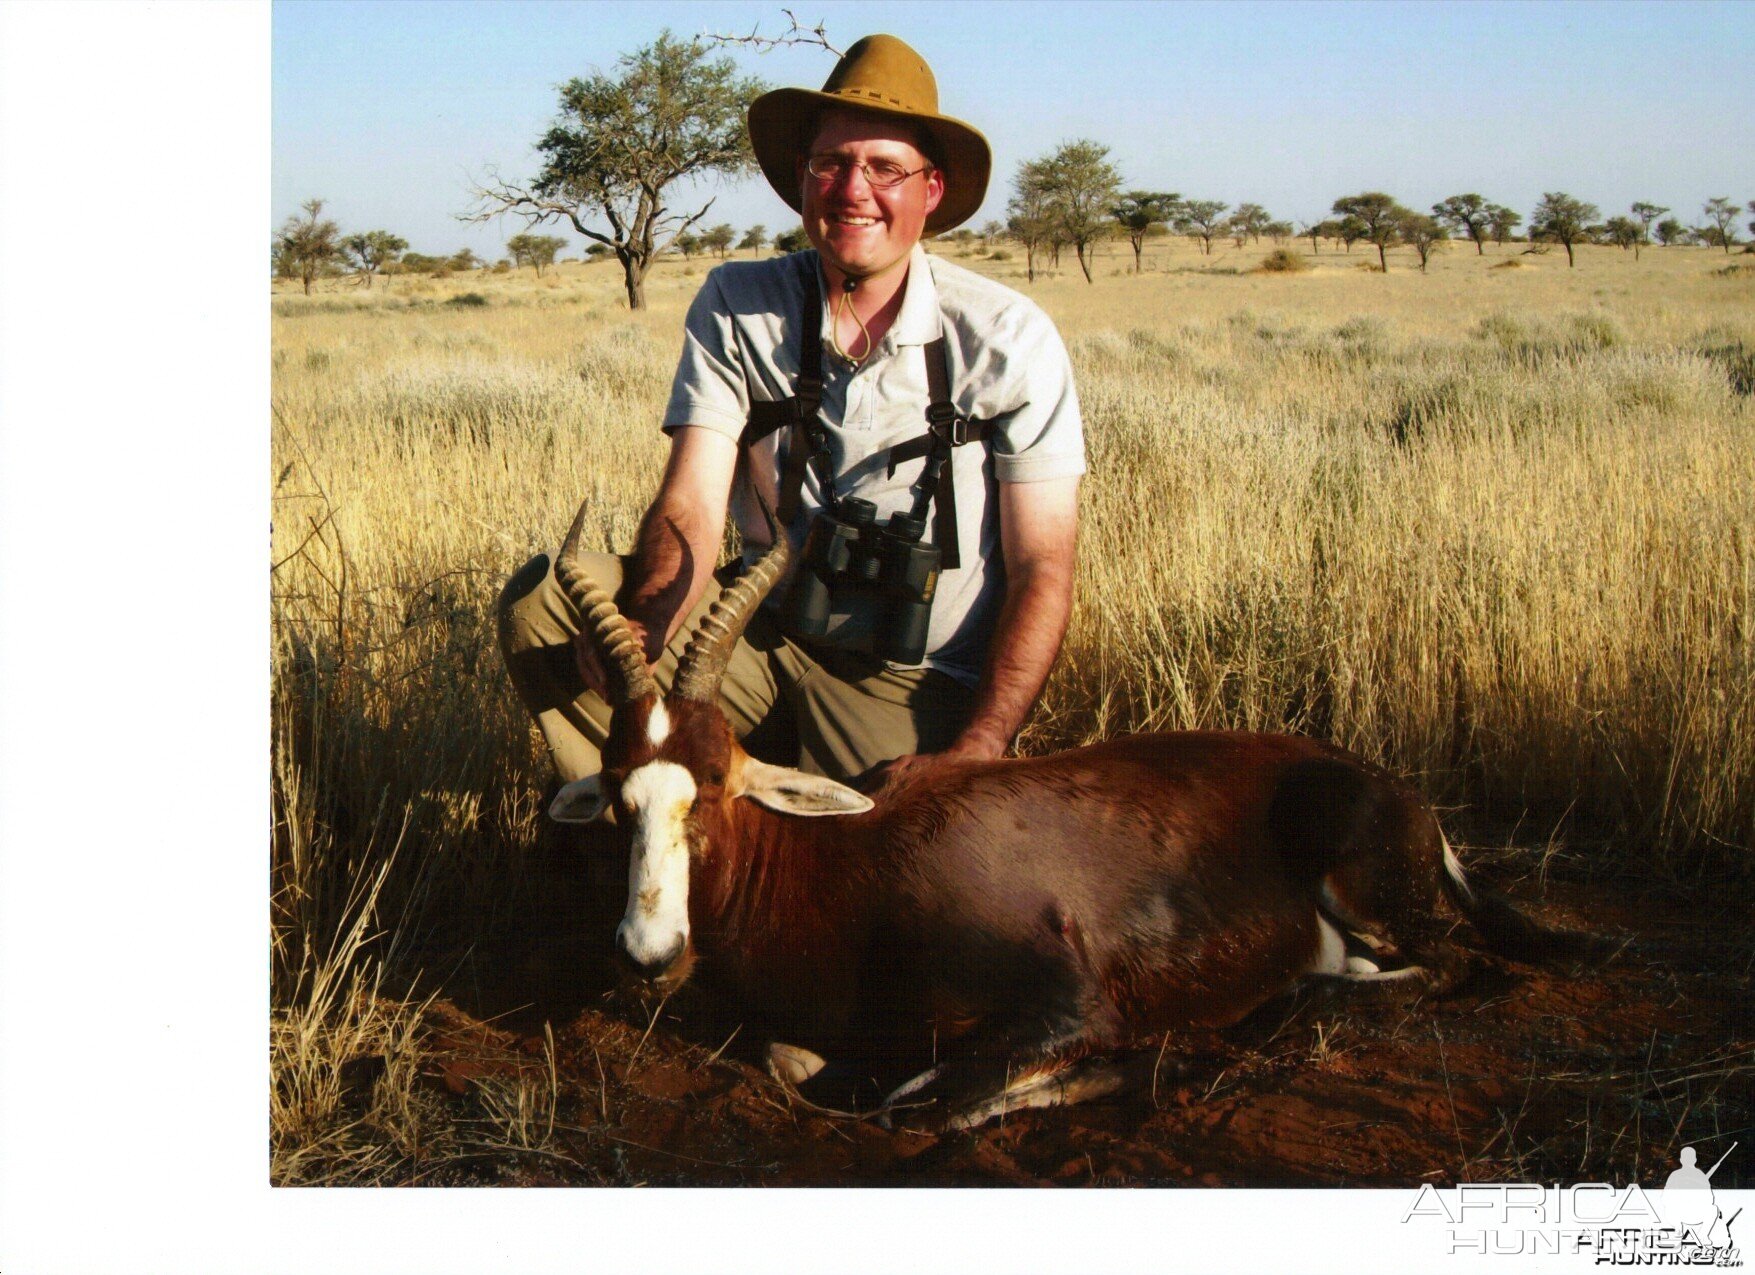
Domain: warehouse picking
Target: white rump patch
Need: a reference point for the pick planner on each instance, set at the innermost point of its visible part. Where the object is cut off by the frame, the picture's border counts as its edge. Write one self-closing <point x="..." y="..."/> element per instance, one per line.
<point x="658" y="724"/>
<point x="658" y="796"/>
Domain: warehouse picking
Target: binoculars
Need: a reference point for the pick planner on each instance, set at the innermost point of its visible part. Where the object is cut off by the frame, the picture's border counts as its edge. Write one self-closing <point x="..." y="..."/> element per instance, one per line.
<point x="852" y="552"/>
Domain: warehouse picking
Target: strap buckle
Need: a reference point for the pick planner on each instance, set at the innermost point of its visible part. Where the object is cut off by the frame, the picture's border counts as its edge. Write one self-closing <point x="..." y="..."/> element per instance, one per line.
<point x="945" y="422"/>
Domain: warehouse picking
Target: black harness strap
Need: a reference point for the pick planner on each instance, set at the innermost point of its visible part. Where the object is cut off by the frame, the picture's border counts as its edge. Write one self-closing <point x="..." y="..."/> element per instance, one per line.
<point x="809" y="445"/>
<point x="810" y="442"/>
<point x="945" y="430"/>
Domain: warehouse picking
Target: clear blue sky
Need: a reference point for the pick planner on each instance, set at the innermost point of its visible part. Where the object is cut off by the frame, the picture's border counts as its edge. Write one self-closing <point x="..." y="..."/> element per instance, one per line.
<point x="386" y="109"/>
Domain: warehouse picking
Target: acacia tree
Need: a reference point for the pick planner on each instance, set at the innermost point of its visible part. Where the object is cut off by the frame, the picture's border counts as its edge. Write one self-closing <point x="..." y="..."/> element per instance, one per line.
<point x="620" y="142"/>
<point x="1647" y="213"/>
<point x="1202" y="219"/>
<point x="1561" y="219"/>
<point x="1315" y="231"/>
<point x="1030" y="210"/>
<point x="790" y="241"/>
<point x="1670" y="232"/>
<point x="373" y="251"/>
<point x="309" y="245"/>
<point x="1379" y="219"/>
<point x="1501" y="223"/>
<point x="718" y="239"/>
<point x="1722" y="213"/>
<point x="536" y="251"/>
<point x="1623" y="232"/>
<point x="1470" y="214"/>
<point x="1423" y="234"/>
<point x="1082" y="185"/>
<point x="1251" y="220"/>
<point x="755" y="237"/>
<point x="1138" y="211"/>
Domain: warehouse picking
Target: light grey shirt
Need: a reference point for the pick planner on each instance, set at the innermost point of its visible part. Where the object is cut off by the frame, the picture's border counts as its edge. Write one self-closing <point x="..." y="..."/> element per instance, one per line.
<point x="1007" y="365"/>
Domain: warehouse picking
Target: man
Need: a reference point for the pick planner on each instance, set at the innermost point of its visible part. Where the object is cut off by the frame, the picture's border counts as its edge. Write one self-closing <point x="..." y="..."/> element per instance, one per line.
<point x="760" y="414"/>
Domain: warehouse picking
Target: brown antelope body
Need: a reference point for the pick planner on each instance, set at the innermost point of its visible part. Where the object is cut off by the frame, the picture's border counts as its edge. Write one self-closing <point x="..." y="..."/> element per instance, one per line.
<point x="1016" y="919"/>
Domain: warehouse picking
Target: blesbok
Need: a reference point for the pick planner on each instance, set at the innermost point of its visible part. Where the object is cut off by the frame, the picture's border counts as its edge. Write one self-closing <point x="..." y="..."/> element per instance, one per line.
<point x="998" y="927"/>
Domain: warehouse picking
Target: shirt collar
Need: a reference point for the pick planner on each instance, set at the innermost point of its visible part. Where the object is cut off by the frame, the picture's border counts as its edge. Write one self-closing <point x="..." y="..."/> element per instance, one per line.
<point x="918" y="321"/>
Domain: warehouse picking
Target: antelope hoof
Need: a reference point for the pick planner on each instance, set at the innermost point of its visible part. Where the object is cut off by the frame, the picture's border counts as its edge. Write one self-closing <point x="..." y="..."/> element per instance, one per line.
<point x="792" y="1065"/>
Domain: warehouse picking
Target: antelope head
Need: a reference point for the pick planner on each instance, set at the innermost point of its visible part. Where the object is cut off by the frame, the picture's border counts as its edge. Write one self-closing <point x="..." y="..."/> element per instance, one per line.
<point x="671" y="764"/>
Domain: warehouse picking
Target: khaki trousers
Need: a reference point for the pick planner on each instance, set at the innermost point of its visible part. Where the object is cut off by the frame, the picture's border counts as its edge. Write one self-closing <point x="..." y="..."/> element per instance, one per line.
<point x="833" y="713"/>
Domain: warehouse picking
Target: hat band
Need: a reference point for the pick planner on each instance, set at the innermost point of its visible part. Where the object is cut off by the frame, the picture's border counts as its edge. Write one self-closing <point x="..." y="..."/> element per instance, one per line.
<point x="875" y="96"/>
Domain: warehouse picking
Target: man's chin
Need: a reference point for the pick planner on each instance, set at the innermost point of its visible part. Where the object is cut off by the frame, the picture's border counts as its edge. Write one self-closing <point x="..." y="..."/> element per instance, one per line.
<point x="857" y="261"/>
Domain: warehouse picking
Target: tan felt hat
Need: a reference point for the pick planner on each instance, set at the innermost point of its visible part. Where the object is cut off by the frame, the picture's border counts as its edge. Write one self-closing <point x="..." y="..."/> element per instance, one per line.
<point x="882" y="75"/>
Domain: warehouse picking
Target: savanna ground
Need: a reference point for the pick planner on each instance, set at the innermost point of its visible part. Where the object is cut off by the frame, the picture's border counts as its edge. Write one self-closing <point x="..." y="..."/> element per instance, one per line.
<point x="1493" y="526"/>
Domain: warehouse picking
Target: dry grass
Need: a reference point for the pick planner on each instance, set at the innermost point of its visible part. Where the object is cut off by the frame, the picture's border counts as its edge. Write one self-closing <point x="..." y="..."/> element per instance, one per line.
<point x="1494" y="528"/>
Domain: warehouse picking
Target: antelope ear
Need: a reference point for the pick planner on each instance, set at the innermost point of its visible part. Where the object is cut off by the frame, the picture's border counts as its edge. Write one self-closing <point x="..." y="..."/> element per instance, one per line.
<point x="792" y="792"/>
<point x="579" y="802"/>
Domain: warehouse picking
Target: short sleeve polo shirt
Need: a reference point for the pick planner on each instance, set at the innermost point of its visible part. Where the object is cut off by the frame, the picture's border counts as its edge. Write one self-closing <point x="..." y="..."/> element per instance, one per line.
<point x="1007" y="366"/>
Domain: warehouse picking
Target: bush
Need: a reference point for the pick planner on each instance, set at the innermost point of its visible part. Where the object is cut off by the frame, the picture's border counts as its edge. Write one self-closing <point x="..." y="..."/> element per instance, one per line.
<point x="1283" y="261"/>
<point x="1731" y="355"/>
<point x="467" y="298"/>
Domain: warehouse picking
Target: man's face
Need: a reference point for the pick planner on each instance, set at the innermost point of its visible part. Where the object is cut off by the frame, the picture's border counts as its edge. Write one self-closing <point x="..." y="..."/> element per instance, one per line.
<point x="857" y="227"/>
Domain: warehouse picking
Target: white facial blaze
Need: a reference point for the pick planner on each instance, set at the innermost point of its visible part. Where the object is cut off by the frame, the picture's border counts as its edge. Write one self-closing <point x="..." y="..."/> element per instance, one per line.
<point x="658" y="796"/>
<point x="658" y="724"/>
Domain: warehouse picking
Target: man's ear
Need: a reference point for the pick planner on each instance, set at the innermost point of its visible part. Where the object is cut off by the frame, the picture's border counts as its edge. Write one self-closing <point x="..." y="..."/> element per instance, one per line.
<point x="792" y="792"/>
<point x="935" y="190"/>
<point x="579" y="802"/>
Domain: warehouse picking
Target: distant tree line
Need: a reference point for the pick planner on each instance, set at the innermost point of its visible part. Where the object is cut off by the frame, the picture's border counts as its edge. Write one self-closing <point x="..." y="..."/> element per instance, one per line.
<point x="310" y="246"/>
<point x="1073" y="197"/>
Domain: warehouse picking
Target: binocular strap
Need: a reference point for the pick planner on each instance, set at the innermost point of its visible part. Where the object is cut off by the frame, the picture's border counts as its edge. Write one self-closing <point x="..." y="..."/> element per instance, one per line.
<point x="809" y="445"/>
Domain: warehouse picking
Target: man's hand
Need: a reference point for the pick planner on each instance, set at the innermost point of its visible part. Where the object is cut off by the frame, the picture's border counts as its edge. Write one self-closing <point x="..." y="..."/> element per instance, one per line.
<point x="675" y="549"/>
<point x="590" y="663"/>
<point x="969" y="747"/>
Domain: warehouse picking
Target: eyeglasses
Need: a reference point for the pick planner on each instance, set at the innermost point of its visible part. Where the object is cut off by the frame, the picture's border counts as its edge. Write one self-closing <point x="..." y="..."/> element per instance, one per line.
<point x="881" y="173"/>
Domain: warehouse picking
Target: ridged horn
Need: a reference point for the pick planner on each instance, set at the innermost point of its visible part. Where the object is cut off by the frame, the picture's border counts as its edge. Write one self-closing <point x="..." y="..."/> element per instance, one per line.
<point x="623" y="659"/>
<point x="709" y="649"/>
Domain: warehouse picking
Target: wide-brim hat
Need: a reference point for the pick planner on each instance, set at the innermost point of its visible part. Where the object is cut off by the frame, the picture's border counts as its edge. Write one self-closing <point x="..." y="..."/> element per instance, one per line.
<point x="883" y="76"/>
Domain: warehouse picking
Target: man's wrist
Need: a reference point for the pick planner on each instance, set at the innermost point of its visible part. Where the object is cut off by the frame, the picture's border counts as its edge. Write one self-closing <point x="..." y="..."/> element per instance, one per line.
<point x="981" y="743"/>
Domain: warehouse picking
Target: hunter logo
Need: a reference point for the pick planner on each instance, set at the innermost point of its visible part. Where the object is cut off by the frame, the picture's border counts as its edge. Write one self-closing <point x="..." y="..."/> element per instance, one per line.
<point x="1679" y="1225"/>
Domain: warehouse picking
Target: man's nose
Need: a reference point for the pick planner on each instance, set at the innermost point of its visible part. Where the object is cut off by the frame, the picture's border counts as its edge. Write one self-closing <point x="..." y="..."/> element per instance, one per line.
<point x="852" y="181"/>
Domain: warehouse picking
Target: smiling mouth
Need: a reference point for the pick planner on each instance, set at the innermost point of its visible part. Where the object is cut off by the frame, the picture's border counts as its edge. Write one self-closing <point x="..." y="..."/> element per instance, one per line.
<point x="855" y="223"/>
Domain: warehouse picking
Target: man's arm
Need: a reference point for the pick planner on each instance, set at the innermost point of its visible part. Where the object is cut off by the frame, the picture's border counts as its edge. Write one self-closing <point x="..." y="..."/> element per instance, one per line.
<point x="677" y="546"/>
<point x="1038" y="532"/>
